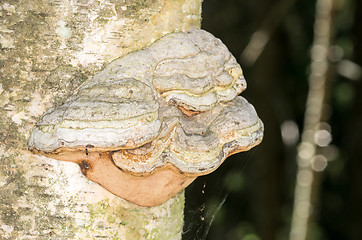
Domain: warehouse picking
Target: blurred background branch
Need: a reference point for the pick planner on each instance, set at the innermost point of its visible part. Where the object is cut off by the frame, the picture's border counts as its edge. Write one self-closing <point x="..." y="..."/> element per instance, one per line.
<point x="260" y="38"/>
<point x="316" y="131"/>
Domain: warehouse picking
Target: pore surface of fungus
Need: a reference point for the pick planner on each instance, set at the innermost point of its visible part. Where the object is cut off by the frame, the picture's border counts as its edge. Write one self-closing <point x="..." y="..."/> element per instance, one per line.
<point x="152" y="121"/>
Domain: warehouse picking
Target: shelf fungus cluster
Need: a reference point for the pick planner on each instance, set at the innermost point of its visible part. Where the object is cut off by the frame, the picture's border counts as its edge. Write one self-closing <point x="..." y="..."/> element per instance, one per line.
<point x="152" y="121"/>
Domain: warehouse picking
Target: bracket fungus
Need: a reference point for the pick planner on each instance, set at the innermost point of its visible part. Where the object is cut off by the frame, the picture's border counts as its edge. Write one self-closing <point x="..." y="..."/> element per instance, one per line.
<point x="152" y="121"/>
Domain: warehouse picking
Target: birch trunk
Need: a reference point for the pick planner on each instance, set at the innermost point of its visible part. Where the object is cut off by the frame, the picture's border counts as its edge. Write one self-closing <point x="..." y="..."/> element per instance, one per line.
<point x="48" y="48"/>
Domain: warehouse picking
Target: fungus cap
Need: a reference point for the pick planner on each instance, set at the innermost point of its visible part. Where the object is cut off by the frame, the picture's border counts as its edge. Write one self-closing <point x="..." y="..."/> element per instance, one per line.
<point x="152" y="121"/>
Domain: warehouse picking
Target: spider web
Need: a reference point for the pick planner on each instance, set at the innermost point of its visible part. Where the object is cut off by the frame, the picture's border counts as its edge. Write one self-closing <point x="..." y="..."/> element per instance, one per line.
<point x="207" y="195"/>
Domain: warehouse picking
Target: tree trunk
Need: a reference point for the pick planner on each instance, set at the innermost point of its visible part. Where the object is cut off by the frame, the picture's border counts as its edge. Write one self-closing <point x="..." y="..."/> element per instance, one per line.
<point x="48" y="48"/>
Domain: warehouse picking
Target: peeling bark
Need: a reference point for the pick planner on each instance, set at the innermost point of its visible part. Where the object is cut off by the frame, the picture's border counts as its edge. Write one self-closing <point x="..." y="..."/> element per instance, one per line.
<point x="48" y="48"/>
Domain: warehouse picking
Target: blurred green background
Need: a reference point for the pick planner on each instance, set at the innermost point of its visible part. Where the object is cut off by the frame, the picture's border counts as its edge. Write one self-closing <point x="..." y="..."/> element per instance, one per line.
<point x="251" y="195"/>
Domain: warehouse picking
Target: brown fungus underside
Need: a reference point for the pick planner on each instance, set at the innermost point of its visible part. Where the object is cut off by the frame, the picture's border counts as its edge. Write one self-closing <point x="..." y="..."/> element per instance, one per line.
<point x="151" y="122"/>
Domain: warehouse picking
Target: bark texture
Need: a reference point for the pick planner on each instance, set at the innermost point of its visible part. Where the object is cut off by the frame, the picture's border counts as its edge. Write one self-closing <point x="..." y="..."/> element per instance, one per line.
<point x="48" y="48"/>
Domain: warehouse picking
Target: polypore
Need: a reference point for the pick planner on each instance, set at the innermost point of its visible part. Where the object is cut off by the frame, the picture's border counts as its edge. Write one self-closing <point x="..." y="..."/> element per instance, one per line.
<point x="152" y="121"/>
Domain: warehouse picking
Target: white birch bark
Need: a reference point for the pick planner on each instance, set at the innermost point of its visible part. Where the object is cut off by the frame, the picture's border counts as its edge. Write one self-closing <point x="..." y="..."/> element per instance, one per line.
<point x="48" y="48"/>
